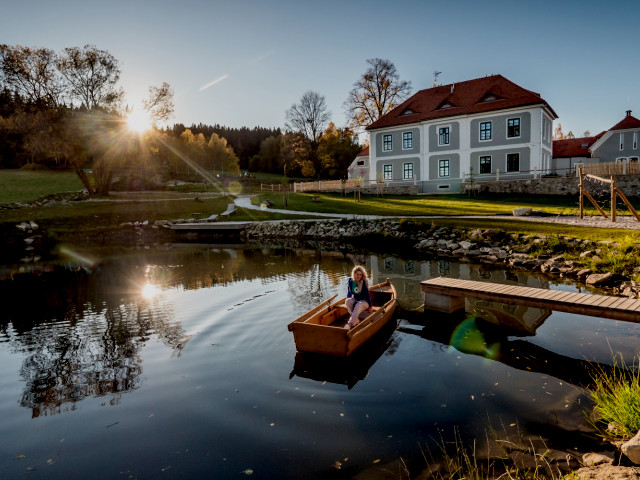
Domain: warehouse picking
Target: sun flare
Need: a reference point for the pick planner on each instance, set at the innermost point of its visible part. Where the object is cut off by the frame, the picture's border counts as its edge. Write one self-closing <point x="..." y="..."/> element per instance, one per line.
<point x="138" y="121"/>
<point x="149" y="291"/>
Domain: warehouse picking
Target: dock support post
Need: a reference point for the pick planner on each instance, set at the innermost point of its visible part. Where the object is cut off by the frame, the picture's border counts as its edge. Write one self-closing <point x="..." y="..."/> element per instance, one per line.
<point x="437" y="302"/>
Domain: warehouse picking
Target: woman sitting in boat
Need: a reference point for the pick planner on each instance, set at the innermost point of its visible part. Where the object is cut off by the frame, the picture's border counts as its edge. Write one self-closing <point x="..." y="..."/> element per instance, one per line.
<point x="358" y="298"/>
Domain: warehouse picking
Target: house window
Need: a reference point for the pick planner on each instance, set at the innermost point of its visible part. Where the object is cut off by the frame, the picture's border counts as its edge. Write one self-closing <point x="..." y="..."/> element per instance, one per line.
<point x="513" y="127"/>
<point x="407" y="171"/>
<point x="485" y="131"/>
<point x="360" y="163"/>
<point x="544" y="128"/>
<point x="387" y="143"/>
<point x="387" y="172"/>
<point x="485" y="164"/>
<point x="513" y="162"/>
<point x="622" y="141"/>
<point x="635" y="140"/>
<point x="443" y="136"/>
<point x="443" y="168"/>
<point x="407" y="140"/>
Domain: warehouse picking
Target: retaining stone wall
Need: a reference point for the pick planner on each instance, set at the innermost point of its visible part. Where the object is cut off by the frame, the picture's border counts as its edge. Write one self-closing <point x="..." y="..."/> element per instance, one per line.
<point x="629" y="184"/>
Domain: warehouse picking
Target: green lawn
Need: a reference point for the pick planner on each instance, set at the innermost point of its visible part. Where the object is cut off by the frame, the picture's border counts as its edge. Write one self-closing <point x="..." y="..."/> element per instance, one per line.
<point x="28" y="185"/>
<point x="19" y="185"/>
<point x="424" y="205"/>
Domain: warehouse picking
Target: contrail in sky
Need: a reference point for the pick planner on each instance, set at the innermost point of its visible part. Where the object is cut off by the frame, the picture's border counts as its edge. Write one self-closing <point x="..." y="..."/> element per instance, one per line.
<point x="212" y="83"/>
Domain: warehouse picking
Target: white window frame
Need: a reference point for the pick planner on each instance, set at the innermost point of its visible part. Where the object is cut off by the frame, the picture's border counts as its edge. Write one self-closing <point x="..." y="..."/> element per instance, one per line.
<point x="519" y="127"/>
<point x="387" y="175"/>
<point x="405" y="169"/>
<point x="480" y="164"/>
<point x="490" y="131"/>
<point x="621" y="141"/>
<point x="407" y="137"/>
<point x="442" y="127"/>
<point x="384" y="142"/>
<point x="506" y="158"/>
<point x="447" y="167"/>
<point x="635" y="140"/>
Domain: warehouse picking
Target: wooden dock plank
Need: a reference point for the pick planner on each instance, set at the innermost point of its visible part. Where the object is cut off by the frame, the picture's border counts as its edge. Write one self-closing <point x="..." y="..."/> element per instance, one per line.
<point x="573" y="302"/>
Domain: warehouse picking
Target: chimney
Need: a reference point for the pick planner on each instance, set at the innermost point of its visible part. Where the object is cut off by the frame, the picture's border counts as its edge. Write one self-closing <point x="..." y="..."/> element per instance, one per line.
<point x="628" y="113"/>
<point x="452" y="85"/>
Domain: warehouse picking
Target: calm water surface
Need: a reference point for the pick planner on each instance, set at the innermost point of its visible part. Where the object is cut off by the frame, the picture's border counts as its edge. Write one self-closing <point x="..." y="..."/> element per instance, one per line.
<point x="178" y="364"/>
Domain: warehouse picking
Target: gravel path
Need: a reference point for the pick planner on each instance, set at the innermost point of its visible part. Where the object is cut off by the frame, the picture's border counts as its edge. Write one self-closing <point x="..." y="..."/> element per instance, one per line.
<point x="628" y="222"/>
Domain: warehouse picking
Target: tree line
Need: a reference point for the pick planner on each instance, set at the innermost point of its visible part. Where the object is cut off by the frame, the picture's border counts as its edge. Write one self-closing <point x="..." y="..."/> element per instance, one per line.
<point x="65" y="110"/>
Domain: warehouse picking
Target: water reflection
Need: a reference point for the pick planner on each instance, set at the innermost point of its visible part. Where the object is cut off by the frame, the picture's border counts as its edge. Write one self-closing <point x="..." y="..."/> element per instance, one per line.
<point x="201" y="361"/>
<point x="82" y="331"/>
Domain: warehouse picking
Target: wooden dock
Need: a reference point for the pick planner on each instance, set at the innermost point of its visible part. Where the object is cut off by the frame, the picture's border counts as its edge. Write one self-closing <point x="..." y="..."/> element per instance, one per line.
<point x="211" y="227"/>
<point x="445" y="294"/>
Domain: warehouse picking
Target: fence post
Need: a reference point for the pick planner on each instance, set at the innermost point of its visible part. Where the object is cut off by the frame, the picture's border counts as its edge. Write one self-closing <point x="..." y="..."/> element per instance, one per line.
<point x="497" y="174"/>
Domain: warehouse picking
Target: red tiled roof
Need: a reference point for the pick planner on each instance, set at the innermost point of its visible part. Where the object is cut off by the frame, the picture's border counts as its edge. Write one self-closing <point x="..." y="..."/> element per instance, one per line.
<point x="627" y="122"/>
<point x="573" y="147"/>
<point x="464" y="98"/>
<point x="364" y="152"/>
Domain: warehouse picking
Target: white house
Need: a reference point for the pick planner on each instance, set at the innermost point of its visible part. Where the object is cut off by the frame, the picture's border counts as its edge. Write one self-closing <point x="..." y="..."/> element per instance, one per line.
<point x="484" y="127"/>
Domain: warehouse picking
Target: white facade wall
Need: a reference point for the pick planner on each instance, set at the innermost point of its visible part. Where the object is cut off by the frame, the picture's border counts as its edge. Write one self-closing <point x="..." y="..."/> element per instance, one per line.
<point x="539" y="144"/>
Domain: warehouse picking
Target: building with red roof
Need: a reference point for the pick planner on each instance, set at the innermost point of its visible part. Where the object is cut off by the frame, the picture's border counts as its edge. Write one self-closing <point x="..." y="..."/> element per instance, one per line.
<point x="621" y="143"/>
<point x="485" y="127"/>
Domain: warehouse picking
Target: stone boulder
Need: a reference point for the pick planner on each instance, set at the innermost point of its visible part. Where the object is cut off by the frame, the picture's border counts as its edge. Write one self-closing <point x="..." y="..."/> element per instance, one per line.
<point x="522" y="212"/>
<point x="631" y="449"/>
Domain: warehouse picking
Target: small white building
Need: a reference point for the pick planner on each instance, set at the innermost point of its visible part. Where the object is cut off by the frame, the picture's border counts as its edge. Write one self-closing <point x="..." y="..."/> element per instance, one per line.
<point x="359" y="168"/>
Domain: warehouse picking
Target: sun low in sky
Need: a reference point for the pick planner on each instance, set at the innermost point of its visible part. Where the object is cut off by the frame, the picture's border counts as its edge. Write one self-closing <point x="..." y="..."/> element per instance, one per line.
<point x="139" y="121"/>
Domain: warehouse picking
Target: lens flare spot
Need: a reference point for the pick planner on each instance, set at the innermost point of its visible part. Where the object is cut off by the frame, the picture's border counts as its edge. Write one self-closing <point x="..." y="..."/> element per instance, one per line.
<point x="235" y="188"/>
<point x="468" y="339"/>
<point x="76" y="256"/>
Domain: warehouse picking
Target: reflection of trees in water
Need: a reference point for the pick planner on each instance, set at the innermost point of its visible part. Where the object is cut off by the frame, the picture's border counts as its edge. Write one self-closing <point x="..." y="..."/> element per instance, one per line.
<point x="99" y="355"/>
<point x="82" y="332"/>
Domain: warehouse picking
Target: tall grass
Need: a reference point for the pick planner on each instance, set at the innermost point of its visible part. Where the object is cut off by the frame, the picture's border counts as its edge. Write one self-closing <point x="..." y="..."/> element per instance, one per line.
<point x="616" y="394"/>
<point x="459" y="461"/>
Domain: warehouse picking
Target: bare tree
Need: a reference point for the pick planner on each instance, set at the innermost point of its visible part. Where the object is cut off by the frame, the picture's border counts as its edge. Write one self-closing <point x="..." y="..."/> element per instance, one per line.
<point x="32" y="73"/>
<point x="159" y="105"/>
<point x="309" y="117"/>
<point x="378" y="91"/>
<point x="558" y="134"/>
<point x="92" y="76"/>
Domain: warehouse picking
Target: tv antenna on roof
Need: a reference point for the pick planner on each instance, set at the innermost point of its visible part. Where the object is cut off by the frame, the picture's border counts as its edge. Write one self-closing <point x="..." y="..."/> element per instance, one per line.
<point x="435" y="78"/>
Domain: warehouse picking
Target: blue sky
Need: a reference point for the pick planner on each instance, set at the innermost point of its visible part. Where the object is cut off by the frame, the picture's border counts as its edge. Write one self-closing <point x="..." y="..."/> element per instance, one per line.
<point x="245" y="62"/>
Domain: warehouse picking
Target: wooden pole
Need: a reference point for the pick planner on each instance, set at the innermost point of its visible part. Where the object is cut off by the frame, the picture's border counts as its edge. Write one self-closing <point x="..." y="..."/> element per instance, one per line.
<point x="595" y="204"/>
<point x="581" y="186"/>
<point x="613" y="199"/>
<point x="628" y="204"/>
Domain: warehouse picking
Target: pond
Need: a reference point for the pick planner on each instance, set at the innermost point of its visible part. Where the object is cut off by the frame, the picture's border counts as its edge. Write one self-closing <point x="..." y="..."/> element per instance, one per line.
<point x="178" y="364"/>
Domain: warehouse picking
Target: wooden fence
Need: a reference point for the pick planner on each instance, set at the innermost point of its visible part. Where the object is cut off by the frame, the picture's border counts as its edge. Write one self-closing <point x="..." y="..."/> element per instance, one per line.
<point x="612" y="168"/>
<point x="273" y="187"/>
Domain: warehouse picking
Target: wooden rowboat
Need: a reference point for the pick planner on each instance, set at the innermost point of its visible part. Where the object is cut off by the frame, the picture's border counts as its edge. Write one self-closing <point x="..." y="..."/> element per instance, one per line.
<point x="321" y="329"/>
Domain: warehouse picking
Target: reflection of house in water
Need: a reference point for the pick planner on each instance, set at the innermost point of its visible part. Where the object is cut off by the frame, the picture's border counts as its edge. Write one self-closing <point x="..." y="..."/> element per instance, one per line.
<point x="406" y="276"/>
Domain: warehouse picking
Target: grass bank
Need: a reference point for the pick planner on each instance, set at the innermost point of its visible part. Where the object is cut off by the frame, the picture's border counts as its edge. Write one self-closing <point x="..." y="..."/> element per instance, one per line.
<point x="28" y="185"/>
<point x="431" y="205"/>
